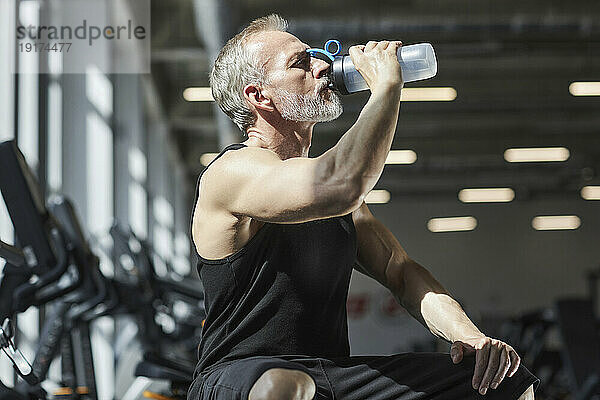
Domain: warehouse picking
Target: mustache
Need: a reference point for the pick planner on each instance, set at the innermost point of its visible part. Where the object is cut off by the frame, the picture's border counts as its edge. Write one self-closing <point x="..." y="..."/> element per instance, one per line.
<point x="323" y="84"/>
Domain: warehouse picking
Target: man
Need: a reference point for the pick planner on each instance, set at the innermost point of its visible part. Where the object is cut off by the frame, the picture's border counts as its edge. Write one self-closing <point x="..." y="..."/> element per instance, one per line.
<point x="278" y="233"/>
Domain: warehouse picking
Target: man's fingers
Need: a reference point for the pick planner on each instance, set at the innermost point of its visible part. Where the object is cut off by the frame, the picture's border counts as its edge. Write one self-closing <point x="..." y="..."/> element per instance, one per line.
<point x="481" y="361"/>
<point x="370" y="45"/>
<point x="394" y="45"/>
<point x="356" y="52"/>
<point x="502" y="369"/>
<point x="515" y="361"/>
<point x="383" y="44"/>
<point x="491" y="370"/>
<point x="494" y="360"/>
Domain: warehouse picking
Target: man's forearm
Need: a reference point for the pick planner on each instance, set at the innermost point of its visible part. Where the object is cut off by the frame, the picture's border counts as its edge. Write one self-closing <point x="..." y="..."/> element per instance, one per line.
<point x="361" y="152"/>
<point x="427" y="300"/>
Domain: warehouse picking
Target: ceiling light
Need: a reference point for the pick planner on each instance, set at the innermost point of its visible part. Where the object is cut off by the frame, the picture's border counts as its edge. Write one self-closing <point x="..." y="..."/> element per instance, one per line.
<point x="487" y="195"/>
<point x="428" y="94"/>
<point x="590" y="192"/>
<point x="537" y="154"/>
<point x="206" y="158"/>
<point x="377" y="197"/>
<point x="585" y="88"/>
<point x="401" y="157"/>
<point x="452" y="224"/>
<point x="198" y="94"/>
<point x="555" y="222"/>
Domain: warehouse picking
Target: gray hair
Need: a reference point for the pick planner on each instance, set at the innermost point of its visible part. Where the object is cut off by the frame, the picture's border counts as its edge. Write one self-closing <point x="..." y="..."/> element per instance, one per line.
<point x="236" y="67"/>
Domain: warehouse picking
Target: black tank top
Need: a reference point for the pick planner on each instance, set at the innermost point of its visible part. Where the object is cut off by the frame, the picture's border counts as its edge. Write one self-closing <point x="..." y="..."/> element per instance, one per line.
<point x="283" y="293"/>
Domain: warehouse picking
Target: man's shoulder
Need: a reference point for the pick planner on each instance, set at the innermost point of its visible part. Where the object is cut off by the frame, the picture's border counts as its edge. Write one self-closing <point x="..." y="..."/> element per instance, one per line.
<point x="238" y="163"/>
<point x="225" y="175"/>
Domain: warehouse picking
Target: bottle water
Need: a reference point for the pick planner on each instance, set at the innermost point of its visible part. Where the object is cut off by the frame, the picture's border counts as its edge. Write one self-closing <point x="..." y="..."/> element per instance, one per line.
<point x="417" y="62"/>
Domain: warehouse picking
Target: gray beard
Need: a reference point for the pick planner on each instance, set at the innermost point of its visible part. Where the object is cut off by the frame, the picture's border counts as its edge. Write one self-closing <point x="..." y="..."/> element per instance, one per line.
<point x="309" y="108"/>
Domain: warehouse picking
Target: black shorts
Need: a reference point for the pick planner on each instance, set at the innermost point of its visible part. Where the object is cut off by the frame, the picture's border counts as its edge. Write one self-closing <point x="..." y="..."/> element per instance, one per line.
<point x="406" y="376"/>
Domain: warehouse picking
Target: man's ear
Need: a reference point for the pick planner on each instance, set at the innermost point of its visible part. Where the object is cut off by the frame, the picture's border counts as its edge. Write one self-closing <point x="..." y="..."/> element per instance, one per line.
<point x="256" y="96"/>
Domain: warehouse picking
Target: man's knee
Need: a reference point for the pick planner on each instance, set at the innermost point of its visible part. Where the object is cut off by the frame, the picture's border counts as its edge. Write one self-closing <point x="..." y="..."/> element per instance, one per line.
<point x="283" y="384"/>
<point x="528" y="394"/>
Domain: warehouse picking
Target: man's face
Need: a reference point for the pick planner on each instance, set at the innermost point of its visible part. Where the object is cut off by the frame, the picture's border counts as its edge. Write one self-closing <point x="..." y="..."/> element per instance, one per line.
<point x="297" y="83"/>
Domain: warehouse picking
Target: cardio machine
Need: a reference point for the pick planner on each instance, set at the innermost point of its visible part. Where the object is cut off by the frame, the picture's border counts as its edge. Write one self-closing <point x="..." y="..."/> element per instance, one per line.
<point x="54" y="266"/>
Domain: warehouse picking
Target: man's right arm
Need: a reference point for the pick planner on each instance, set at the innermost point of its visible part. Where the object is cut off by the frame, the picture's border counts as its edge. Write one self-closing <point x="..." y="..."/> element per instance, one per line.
<point x="361" y="152"/>
<point x="257" y="184"/>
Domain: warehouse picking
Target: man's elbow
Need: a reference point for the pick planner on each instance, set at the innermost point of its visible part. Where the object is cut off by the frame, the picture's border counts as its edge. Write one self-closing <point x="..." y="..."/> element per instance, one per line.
<point x="354" y="201"/>
<point x="348" y="197"/>
<point x="357" y="190"/>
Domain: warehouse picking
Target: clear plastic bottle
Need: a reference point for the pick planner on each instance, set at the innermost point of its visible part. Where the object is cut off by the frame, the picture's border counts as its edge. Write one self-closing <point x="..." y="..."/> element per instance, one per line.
<point x="417" y="62"/>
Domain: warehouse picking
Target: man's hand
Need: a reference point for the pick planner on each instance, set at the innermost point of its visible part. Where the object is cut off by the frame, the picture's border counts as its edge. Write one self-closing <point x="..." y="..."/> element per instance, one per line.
<point x="378" y="64"/>
<point x="494" y="359"/>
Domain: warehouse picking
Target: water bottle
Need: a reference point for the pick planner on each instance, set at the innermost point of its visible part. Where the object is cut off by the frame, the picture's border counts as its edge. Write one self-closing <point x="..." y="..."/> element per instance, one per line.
<point x="417" y="62"/>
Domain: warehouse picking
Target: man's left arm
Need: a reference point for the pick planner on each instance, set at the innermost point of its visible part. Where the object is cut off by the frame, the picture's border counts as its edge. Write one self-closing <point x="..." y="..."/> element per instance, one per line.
<point x="381" y="257"/>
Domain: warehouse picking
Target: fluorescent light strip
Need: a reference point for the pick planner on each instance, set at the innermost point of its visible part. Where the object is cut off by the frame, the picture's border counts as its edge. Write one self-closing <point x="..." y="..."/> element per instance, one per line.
<point x="428" y="94"/>
<point x="198" y="94"/>
<point x="206" y="158"/>
<point x="555" y="222"/>
<point x="585" y="88"/>
<point x="537" y="154"/>
<point x="452" y="224"/>
<point x="590" y="192"/>
<point x="401" y="157"/>
<point x="378" y="197"/>
<point x="486" y="195"/>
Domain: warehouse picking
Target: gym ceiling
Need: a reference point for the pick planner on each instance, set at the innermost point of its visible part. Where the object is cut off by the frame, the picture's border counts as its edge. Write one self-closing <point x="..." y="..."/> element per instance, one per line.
<point x="510" y="62"/>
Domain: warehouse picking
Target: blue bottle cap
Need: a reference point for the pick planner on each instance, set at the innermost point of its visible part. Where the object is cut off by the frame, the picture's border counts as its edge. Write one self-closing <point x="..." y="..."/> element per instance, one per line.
<point x="326" y="51"/>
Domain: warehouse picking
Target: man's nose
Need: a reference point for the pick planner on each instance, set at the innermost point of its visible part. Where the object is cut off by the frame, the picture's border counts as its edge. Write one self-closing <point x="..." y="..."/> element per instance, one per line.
<point x="320" y="68"/>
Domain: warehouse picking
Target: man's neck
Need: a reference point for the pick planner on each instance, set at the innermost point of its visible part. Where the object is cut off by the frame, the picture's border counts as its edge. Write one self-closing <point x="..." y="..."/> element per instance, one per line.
<point x="287" y="139"/>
